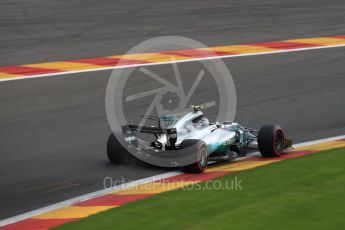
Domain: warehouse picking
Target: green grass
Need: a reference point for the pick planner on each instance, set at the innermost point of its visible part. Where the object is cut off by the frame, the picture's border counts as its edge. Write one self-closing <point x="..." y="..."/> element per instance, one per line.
<point x="301" y="193"/>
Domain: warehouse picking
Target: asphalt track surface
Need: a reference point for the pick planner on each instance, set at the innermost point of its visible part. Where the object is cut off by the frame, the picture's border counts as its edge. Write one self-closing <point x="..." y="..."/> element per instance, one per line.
<point x="53" y="131"/>
<point x="38" y="31"/>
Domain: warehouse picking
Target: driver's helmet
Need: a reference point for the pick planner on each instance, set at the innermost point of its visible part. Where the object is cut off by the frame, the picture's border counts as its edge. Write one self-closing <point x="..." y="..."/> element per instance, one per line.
<point x="203" y="122"/>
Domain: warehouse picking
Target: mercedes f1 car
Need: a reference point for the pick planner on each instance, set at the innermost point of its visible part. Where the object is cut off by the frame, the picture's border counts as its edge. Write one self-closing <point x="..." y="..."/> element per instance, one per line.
<point x="190" y="141"/>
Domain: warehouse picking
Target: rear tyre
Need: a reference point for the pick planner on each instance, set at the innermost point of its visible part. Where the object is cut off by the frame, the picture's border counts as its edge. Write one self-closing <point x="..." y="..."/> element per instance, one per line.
<point x="199" y="148"/>
<point x="271" y="141"/>
<point x="117" y="154"/>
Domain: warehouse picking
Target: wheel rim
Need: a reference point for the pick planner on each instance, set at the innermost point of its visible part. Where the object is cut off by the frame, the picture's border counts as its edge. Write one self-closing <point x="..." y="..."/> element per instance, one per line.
<point x="204" y="156"/>
<point x="279" y="141"/>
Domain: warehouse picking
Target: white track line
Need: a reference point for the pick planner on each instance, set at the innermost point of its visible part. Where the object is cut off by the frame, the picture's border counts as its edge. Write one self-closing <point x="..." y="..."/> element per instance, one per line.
<point x="319" y="141"/>
<point x="169" y="62"/>
<point x="127" y="185"/>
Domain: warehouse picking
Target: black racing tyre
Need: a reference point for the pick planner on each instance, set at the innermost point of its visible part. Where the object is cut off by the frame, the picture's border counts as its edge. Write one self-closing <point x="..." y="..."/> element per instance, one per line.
<point x="271" y="141"/>
<point x="118" y="154"/>
<point x="199" y="147"/>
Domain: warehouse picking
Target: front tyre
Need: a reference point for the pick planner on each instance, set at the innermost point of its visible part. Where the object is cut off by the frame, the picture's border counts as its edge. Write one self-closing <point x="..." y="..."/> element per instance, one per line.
<point x="199" y="149"/>
<point x="271" y="141"/>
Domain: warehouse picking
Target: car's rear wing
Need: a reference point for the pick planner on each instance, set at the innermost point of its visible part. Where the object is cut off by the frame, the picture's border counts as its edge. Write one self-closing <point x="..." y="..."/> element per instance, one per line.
<point x="129" y="131"/>
<point x="144" y="129"/>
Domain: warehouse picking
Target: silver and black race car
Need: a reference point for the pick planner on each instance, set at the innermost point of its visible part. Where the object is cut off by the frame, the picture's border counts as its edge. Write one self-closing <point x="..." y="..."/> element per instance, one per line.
<point x="190" y="141"/>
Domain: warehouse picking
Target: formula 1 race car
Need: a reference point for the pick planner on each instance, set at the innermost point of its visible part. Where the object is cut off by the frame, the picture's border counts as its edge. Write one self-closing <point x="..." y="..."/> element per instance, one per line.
<point x="190" y="141"/>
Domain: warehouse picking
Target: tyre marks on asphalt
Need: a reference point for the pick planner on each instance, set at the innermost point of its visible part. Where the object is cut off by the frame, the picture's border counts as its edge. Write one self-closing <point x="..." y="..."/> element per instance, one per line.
<point x="53" y="187"/>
